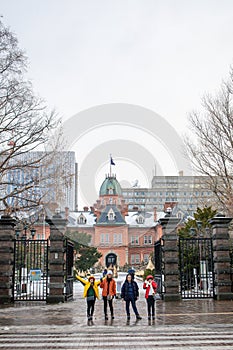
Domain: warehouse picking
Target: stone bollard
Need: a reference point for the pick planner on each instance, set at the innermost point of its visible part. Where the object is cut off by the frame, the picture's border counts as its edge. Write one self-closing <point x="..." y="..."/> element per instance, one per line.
<point x="7" y="235"/>
<point x="170" y="258"/>
<point x="221" y="256"/>
<point x="56" y="260"/>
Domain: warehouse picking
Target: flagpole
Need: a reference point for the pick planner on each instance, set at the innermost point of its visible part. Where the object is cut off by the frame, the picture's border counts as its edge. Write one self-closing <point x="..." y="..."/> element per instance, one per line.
<point x="110" y="166"/>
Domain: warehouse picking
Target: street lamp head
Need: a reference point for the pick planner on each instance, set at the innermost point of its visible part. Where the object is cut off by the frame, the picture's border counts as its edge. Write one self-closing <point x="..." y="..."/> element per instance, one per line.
<point x="33" y="232"/>
<point x="17" y="233"/>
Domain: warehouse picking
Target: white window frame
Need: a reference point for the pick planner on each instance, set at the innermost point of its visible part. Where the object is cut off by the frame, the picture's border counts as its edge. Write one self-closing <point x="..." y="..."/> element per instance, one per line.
<point x="102" y="238"/>
<point x="135" y="259"/>
<point x="147" y="239"/>
<point x="134" y="240"/>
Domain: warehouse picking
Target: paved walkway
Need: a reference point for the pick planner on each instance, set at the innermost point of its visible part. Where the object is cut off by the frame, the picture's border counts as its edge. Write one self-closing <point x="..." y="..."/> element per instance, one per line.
<point x="188" y="324"/>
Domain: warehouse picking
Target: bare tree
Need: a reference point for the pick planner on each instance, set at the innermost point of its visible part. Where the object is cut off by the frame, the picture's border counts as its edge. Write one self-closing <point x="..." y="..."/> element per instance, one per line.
<point x="211" y="151"/>
<point x="25" y="126"/>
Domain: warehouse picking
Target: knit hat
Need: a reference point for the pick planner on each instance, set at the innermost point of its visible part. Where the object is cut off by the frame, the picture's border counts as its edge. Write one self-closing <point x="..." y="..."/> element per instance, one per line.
<point x="91" y="277"/>
<point x="109" y="272"/>
<point x="149" y="277"/>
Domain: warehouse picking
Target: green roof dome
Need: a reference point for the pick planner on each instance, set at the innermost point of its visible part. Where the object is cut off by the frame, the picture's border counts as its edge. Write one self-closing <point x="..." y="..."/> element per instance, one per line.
<point x="110" y="186"/>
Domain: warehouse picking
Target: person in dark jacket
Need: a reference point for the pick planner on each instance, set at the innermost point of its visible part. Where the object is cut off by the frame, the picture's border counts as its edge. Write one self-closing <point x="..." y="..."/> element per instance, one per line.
<point x="130" y="293"/>
<point x="132" y="272"/>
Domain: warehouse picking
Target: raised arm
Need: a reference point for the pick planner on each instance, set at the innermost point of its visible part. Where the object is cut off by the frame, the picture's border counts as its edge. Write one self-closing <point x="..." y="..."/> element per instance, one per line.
<point x="82" y="280"/>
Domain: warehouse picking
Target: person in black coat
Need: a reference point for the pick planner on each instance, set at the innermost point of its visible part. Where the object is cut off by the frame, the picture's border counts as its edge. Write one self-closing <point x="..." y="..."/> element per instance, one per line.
<point x="132" y="273"/>
<point x="130" y="293"/>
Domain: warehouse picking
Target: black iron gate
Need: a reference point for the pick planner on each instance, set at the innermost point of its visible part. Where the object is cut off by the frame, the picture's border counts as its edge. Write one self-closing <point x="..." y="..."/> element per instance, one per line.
<point x="158" y="266"/>
<point x="196" y="268"/>
<point x="69" y="278"/>
<point x="30" y="273"/>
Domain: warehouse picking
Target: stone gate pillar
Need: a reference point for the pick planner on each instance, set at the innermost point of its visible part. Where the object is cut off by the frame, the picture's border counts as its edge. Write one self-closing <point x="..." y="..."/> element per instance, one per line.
<point x="221" y="256"/>
<point x="56" y="259"/>
<point x="7" y="235"/>
<point x="170" y="258"/>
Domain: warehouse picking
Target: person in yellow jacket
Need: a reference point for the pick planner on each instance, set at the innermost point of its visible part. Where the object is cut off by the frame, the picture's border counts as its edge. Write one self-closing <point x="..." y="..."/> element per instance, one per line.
<point x="91" y="292"/>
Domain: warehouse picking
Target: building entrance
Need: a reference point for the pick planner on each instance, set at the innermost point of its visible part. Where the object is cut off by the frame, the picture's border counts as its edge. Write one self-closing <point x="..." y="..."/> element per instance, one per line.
<point x="111" y="260"/>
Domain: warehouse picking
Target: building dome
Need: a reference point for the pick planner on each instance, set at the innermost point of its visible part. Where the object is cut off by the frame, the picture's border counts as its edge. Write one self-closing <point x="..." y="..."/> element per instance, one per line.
<point x="110" y="186"/>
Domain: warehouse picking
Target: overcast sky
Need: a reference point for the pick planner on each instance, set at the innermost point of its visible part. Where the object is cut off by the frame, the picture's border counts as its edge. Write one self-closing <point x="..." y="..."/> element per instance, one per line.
<point x="161" y="55"/>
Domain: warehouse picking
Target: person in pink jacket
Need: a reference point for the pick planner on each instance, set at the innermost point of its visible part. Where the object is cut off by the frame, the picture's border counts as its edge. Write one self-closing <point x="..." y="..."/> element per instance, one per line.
<point x="151" y="287"/>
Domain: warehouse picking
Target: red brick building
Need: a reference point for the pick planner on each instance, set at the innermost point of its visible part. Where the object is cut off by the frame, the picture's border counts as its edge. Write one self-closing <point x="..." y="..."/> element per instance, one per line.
<point x="122" y="237"/>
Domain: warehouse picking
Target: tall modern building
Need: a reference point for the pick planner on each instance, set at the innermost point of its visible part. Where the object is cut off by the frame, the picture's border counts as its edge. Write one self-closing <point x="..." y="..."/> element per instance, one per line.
<point x="52" y="181"/>
<point x="188" y="192"/>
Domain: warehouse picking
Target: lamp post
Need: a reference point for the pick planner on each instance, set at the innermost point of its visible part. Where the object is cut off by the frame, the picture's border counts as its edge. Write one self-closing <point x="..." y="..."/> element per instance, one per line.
<point x="24" y="228"/>
<point x="17" y="233"/>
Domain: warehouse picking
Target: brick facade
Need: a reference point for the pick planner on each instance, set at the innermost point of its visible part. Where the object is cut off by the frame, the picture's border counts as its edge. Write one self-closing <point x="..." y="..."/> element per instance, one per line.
<point x="130" y="236"/>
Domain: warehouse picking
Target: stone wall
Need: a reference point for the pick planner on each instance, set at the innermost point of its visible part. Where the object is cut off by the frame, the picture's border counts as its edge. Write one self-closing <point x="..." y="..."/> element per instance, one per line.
<point x="7" y="235"/>
<point x="221" y="248"/>
<point x="170" y="258"/>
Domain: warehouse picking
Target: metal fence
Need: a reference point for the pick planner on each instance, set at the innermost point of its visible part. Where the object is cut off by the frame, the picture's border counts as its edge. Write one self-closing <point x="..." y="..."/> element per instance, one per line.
<point x="158" y="266"/>
<point x="30" y="274"/>
<point x="196" y="268"/>
<point x="69" y="278"/>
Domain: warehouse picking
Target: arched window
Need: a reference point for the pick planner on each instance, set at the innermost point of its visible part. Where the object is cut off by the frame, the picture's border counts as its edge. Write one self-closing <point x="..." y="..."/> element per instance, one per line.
<point x="81" y="219"/>
<point x="140" y="219"/>
<point x="180" y="215"/>
<point x="111" y="215"/>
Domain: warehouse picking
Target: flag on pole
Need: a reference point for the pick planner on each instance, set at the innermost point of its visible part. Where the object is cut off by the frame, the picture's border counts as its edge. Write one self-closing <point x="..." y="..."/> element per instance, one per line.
<point x="112" y="162"/>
